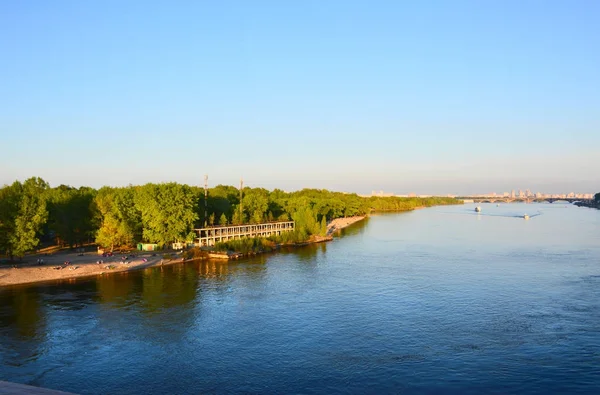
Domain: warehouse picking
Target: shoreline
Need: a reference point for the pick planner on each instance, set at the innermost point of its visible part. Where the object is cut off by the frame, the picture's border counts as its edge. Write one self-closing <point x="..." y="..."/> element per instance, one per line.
<point x="80" y="266"/>
<point x="589" y="204"/>
<point x="341" y="223"/>
<point x="85" y="264"/>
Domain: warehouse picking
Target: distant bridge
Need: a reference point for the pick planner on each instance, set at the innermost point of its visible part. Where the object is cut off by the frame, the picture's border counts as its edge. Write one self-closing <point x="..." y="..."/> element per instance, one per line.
<point x="523" y="200"/>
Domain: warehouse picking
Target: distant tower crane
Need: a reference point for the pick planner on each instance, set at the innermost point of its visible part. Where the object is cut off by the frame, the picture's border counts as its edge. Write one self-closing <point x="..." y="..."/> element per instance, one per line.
<point x="205" y="199"/>
<point x="241" y="197"/>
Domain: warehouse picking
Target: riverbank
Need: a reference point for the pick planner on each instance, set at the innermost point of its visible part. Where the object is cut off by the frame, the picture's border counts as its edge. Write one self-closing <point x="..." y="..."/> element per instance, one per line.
<point x="91" y="264"/>
<point x="588" y="204"/>
<point x="252" y="248"/>
<point x="341" y="223"/>
<point x="67" y="265"/>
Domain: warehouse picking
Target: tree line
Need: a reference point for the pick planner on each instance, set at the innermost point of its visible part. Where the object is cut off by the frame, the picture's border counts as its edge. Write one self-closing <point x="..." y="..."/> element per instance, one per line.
<point x="33" y="214"/>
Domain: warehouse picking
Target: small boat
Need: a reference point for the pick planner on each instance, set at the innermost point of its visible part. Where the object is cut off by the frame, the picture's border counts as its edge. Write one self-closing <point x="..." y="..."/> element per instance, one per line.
<point x="526" y="216"/>
<point x="497" y="205"/>
<point x="477" y="209"/>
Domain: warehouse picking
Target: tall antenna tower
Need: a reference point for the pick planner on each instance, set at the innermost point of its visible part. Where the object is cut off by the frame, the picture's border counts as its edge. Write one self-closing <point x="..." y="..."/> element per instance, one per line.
<point x="241" y="196"/>
<point x="205" y="199"/>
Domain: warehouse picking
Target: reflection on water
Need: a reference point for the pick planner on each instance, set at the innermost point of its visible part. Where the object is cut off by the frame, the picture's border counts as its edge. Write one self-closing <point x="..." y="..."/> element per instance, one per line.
<point x="441" y="300"/>
<point x="357" y="227"/>
<point x="22" y="327"/>
<point x="24" y="310"/>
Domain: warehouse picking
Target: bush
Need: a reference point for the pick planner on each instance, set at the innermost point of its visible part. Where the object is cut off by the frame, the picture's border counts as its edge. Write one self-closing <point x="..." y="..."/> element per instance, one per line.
<point x="247" y="245"/>
<point x="260" y="244"/>
<point x="195" y="253"/>
<point x="297" y="236"/>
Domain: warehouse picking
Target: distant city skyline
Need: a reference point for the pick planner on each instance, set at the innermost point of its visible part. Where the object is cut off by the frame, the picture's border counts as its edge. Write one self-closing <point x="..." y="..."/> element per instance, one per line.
<point x="513" y="194"/>
<point x="427" y="191"/>
<point x="445" y="98"/>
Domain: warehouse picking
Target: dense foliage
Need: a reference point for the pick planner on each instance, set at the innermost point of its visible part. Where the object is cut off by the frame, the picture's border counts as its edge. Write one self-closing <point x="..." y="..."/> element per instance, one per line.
<point x="596" y="201"/>
<point x="23" y="213"/>
<point x="247" y="245"/>
<point x="32" y="213"/>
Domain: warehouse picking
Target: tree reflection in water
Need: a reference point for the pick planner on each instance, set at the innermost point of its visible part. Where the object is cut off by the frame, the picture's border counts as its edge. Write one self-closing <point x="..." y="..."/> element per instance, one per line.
<point x="22" y="327"/>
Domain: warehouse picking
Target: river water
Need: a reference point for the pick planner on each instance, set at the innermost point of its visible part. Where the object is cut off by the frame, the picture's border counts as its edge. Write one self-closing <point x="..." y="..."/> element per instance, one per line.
<point x="440" y="300"/>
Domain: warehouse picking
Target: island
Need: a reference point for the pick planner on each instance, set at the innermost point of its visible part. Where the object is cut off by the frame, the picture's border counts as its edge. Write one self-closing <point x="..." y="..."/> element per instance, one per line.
<point x="49" y="233"/>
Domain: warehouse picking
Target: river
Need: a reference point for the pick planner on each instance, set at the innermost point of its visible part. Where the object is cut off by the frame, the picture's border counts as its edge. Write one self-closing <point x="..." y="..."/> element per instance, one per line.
<point x="439" y="300"/>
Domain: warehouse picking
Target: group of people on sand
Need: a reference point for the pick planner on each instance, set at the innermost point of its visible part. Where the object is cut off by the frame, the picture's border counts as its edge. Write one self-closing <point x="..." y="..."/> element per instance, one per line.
<point x="65" y="264"/>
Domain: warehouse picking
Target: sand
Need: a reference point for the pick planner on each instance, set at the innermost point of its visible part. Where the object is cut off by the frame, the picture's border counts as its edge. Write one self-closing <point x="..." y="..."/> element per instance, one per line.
<point x="28" y="271"/>
<point x="340" y="223"/>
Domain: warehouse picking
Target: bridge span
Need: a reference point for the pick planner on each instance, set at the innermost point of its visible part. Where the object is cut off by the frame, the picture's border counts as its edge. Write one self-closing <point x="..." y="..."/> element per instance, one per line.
<point x="522" y="200"/>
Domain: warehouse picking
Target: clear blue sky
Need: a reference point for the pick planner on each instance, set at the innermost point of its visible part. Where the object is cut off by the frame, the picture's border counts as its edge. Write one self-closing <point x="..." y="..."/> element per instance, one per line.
<point x="419" y="96"/>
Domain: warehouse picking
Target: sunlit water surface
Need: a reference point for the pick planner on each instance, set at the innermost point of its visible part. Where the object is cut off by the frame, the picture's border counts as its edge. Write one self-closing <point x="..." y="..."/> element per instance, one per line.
<point x="441" y="300"/>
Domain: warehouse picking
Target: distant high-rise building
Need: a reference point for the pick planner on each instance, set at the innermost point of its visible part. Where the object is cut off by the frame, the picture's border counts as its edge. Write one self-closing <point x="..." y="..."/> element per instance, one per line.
<point x="512" y="194"/>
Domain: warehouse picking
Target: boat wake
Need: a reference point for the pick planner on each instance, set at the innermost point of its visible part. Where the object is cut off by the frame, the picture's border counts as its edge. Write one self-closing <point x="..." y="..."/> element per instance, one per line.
<point x="506" y="215"/>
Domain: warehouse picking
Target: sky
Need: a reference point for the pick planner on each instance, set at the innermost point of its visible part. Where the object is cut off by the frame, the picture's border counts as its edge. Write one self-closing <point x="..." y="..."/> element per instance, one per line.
<point x="430" y="97"/>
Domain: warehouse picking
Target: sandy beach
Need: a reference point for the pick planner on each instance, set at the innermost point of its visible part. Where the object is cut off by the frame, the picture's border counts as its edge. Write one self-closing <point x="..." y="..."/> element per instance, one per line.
<point x="79" y="265"/>
<point x="341" y="223"/>
<point x="86" y="264"/>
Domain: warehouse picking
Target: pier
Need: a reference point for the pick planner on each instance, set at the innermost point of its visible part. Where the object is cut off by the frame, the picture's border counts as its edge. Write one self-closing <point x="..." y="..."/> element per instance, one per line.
<point x="215" y="234"/>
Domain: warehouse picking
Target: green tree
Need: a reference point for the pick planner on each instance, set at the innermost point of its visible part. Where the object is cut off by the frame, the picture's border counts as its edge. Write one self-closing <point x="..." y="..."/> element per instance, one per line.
<point x="167" y="212"/>
<point x="223" y="219"/>
<point x="118" y="218"/>
<point x="238" y="217"/>
<point x="71" y="216"/>
<point x="31" y="217"/>
<point x="113" y="233"/>
<point x="306" y="223"/>
<point x="296" y="203"/>
<point x="257" y="217"/>
<point x="255" y="203"/>
<point x="10" y="196"/>
<point x="323" y="226"/>
<point x="284" y="217"/>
